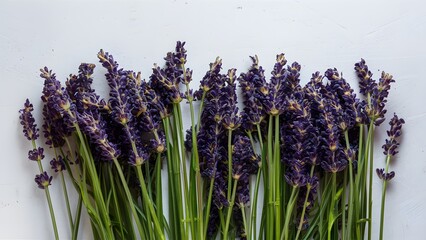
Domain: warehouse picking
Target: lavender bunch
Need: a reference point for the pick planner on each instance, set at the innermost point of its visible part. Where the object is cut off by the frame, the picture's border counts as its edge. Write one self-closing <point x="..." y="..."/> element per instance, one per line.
<point x="311" y="139"/>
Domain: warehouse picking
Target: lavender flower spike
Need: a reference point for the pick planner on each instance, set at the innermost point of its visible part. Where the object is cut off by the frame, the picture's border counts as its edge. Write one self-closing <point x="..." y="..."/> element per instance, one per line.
<point x="395" y="131"/>
<point x="28" y="122"/>
<point x="43" y="180"/>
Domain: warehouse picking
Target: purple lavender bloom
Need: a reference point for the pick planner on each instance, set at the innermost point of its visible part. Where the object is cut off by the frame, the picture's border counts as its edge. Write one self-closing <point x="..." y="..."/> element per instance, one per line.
<point x="244" y="160"/>
<point x="273" y="96"/>
<point x="211" y="79"/>
<point x="394" y="133"/>
<point x="94" y="129"/>
<point x="251" y="83"/>
<point x="344" y="96"/>
<point x="117" y="81"/>
<point x="179" y="56"/>
<point x="377" y="92"/>
<point x="82" y="82"/>
<point x="28" y="122"/>
<point x="36" y="154"/>
<point x="299" y="145"/>
<point x="58" y="111"/>
<point x="58" y="165"/>
<point x="166" y="84"/>
<point x="366" y="84"/>
<point x="385" y="176"/>
<point x="332" y="154"/>
<point x="228" y="110"/>
<point x="43" y="180"/>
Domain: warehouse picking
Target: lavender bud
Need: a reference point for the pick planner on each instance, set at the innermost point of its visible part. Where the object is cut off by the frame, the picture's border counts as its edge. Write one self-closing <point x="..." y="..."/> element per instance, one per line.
<point x="43" y="180"/>
<point x="36" y="154"/>
<point x="58" y="165"/>
<point x="385" y="176"/>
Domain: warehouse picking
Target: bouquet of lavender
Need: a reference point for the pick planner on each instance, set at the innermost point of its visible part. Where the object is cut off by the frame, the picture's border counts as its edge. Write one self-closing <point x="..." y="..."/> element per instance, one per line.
<point x="308" y="149"/>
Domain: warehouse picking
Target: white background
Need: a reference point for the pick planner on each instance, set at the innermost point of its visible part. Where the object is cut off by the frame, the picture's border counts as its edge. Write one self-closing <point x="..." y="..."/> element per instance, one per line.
<point x="390" y="35"/>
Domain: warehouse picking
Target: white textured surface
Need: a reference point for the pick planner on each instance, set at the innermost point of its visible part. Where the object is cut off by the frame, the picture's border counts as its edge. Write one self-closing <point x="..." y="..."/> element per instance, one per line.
<point x="390" y="35"/>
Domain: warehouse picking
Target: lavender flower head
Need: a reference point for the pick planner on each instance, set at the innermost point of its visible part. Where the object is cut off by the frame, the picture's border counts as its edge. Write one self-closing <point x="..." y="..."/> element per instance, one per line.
<point x="43" y="180"/>
<point x="394" y="133"/>
<point x="28" y="122"/>
<point x="366" y="84"/>
<point x="58" y="165"/>
<point x="251" y="84"/>
<point x="94" y="129"/>
<point x="377" y="92"/>
<point x="210" y="79"/>
<point x="36" y="154"/>
<point x="344" y="96"/>
<point x="383" y="175"/>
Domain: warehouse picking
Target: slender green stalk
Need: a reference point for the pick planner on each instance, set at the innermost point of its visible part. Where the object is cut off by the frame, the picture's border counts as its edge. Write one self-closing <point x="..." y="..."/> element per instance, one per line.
<point x="52" y="214"/>
<point x="332" y="213"/>
<point x="159" y="191"/>
<point x="277" y="175"/>
<point x="229" y="163"/>
<point x="77" y="218"/>
<point x="270" y="186"/>
<point x="67" y="201"/>
<point x="230" y="207"/>
<point x="180" y="142"/>
<point x="289" y="211"/>
<point x="352" y="197"/>
<point x="370" y="187"/>
<point x="65" y="192"/>
<point x="256" y="189"/>
<point x="243" y="213"/>
<point x="209" y="202"/>
<point x="114" y="198"/>
<point x="305" y="204"/>
<point x="128" y="195"/>
<point x="343" y="201"/>
<point x="200" y="110"/>
<point x="148" y="202"/>
<point x="95" y="184"/>
<point x="174" y="208"/>
<point x="196" y="167"/>
<point x="382" y="207"/>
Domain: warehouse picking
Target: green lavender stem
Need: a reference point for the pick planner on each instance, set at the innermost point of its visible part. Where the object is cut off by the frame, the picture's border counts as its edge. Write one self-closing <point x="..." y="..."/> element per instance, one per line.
<point x="229" y="163"/>
<point x="128" y="195"/>
<point x="289" y="211"/>
<point x="382" y="208"/>
<point x="148" y="202"/>
<point x="305" y="203"/>
<point x="230" y="207"/>
<point x="370" y="189"/>
<point x="277" y="175"/>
